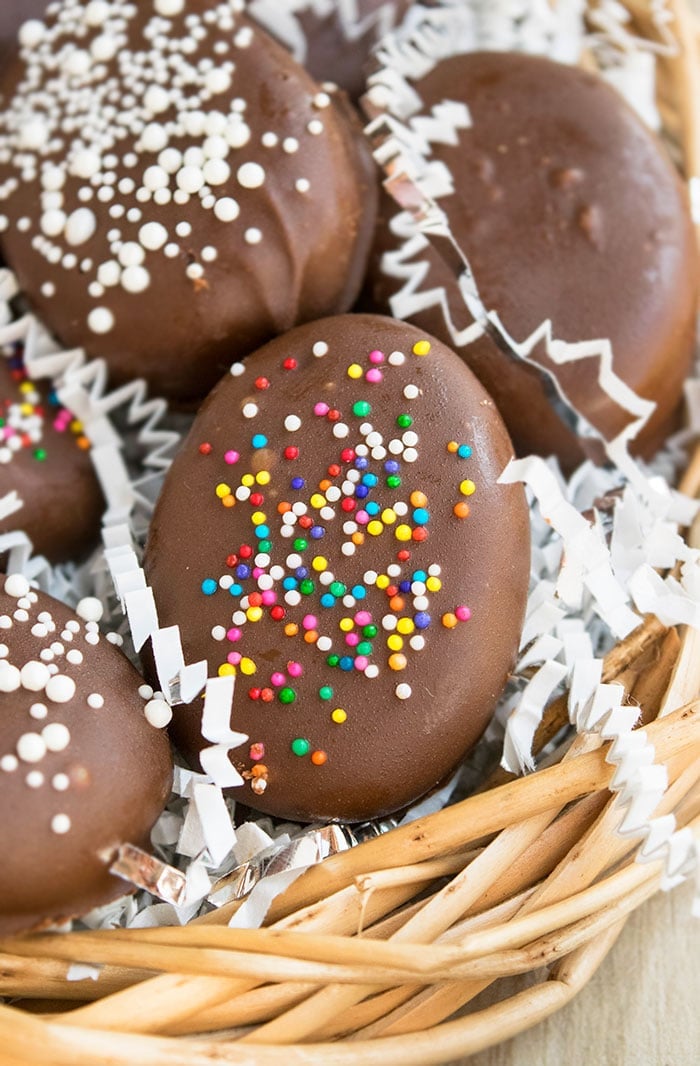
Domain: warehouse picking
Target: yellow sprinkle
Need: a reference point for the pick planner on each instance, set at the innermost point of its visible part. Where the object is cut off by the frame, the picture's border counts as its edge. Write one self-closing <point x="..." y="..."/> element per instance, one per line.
<point x="394" y="642"/>
<point x="346" y="625"/>
<point x="291" y="629"/>
<point x="26" y="386"/>
<point x="226" y="670"/>
<point x="405" y="625"/>
<point x="222" y="489"/>
<point x="421" y="347"/>
<point x="388" y="516"/>
<point x="318" y="501"/>
<point x="452" y="446"/>
<point x="263" y="477"/>
<point x="319" y="563"/>
<point x="339" y="715"/>
<point x="26" y="408"/>
<point x="433" y="584"/>
<point x="397" y="661"/>
<point x="248" y="480"/>
<point x="254" y="614"/>
<point x="374" y="528"/>
<point x="467" y="488"/>
<point x="383" y="581"/>
<point x="76" y="426"/>
<point x="402" y="532"/>
<point x="247" y="666"/>
<point x="258" y="518"/>
<point x="354" y="371"/>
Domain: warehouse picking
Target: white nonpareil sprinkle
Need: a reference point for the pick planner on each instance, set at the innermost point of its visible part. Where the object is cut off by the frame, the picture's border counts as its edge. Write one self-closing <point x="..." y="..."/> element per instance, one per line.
<point x="56" y="736"/>
<point x="31" y="747"/>
<point x="96" y="701"/>
<point x="60" y="823"/>
<point x="17" y="586"/>
<point x="90" y="609"/>
<point x="34" y="676"/>
<point x="10" y="679"/>
<point x="158" y="713"/>
<point x="60" y="689"/>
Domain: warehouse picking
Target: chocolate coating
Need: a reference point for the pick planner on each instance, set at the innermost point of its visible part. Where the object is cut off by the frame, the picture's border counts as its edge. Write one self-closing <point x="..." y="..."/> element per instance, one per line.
<point x="361" y="679"/>
<point x="76" y="780"/>
<point x="62" y="503"/>
<point x="198" y="193"/>
<point x="12" y="14"/>
<point x="568" y="209"/>
<point x="332" y="41"/>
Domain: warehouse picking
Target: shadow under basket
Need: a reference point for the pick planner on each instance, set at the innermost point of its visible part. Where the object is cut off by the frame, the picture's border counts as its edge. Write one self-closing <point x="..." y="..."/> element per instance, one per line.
<point x="366" y="957"/>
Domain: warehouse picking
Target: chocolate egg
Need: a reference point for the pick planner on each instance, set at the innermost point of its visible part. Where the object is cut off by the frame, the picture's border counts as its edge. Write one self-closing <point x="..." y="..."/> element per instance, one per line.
<point x="333" y="534"/>
<point x="82" y="771"/>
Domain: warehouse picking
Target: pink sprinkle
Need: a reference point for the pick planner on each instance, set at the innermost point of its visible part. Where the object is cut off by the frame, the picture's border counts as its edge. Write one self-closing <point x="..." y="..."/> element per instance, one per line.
<point x="59" y="425"/>
<point x="309" y="621"/>
<point x="234" y="634"/>
<point x="376" y="356"/>
<point x="269" y="597"/>
<point x="258" y="571"/>
<point x="352" y="639"/>
<point x="8" y="432"/>
<point x="361" y="662"/>
<point x="231" y="457"/>
<point x="234" y="657"/>
<point x="257" y="751"/>
<point x="363" y="618"/>
<point x="277" y="679"/>
<point x="321" y="409"/>
<point x="374" y="376"/>
<point x="463" y="613"/>
<point x="362" y="518"/>
<point x="295" y="669"/>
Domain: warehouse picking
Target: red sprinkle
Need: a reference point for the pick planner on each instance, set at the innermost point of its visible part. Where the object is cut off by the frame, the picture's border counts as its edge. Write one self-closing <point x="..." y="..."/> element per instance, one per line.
<point x="278" y="613"/>
<point x="257" y="499"/>
<point x="347" y="504"/>
<point x="419" y="534"/>
<point x="262" y="383"/>
<point x="245" y="551"/>
<point x="254" y="693"/>
<point x="255" y="599"/>
<point x="347" y="455"/>
<point x="205" y="448"/>
<point x="290" y="364"/>
<point x="403" y="556"/>
<point x="267" y="695"/>
<point x="333" y="470"/>
<point x="333" y="415"/>
<point x="231" y="559"/>
<point x="291" y="452"/>
<point x="306" y="521"/>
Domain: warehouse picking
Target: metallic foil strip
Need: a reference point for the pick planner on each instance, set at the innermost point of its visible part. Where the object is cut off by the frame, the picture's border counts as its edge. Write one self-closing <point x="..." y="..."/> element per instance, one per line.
<point x="307" y="849"/>
<point x="146" y="871"/>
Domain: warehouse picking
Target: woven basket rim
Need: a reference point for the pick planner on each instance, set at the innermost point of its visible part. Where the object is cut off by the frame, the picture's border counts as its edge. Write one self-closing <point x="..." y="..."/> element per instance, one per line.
<point x="215" y="979"/>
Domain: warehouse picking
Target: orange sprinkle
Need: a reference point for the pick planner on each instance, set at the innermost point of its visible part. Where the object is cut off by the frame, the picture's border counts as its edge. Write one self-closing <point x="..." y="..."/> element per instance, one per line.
<point x="419" y="499"/>
<point x="396" y="603"/>
<point x="283" y="507"/>
<point x="83" y="443"/>
<point x="318" y="758"/>
<point x="449" y="620"/>
<point x="311" y="636"/>
<point x="397" y="661"/>
<point x="452" y="446"/>
<point x="259" y="770"/>
<point x="325" y="484"/>
<point x="229" y="501"/>
<point x="461" y="510"/>
<point x="358" y="538"/>
<point x="421" y="533"/>
<point x="291" y="629"/>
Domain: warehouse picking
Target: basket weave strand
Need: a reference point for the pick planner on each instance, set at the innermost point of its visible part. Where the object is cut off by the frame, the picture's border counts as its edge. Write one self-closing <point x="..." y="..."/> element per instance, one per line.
<point x="365" y="957"/>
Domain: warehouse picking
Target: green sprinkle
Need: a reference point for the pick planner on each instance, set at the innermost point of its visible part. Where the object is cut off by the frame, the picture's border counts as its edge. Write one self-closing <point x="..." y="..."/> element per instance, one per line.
<point x="333" y="660"/>
<point x="369" y="631"/>
<point x="393" y="481"/>
<point x="300" y="544"/>
<point x="325" y="692"/>
<point x="300" y="746"/>
<point x="264" y="545"/>
<point x="361" y="408"/>
<point x="40" y="454"/>
<point x="404" y="421"/>
<point x="287" y="695"/>
<point x="364" y="648"/>
<point x="306" y="587"/>
<point x="337" y="588"/>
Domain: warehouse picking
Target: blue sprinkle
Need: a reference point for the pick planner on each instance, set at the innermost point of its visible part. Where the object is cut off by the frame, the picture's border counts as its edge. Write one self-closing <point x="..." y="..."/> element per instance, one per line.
<point x="327" y="599"/>
<point x="421" y="517"/>
<point x="370" y="480"/>
<point x="346" y="662"/>
<point x="464" y="451"/>
<point x="235" y="590"/>
<point x="421" y="620"/>
<point x="301" y="572"/>
<point x="259" y="440"/>
<point x="209" y="586"/>
<point x="391" y="466"/>
<point x="420" y="575"/>
<point x="298" y="483"/>
<point x="358" y="591"/>
<point x="361" y="492"/>
<point x="361" y="463"/>
<point x="262" y="532"/>
<point x="242" y="571"/>
<point x="289" y="583"/>
<point x="373" y="507"/>
<point x="405" y="586"/>
<point x="317" y="532"/>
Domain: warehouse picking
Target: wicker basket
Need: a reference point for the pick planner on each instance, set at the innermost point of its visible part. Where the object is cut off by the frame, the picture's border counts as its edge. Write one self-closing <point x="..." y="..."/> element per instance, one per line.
<point x="526" y="877"/>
